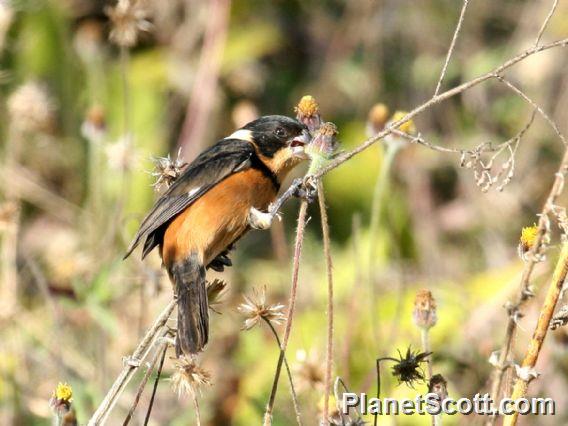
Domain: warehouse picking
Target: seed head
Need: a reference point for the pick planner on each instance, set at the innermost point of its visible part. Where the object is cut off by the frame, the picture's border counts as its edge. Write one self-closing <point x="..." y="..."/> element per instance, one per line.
<point x="439" y="386"/>
<point x="255" y="308"/>
<point x="407" y="368"/>
<point x="166" y="170"/>
<point x="189" y="377"/>
<point x="121" y="154"/>
<point x="128" y="20"/>
<point x="215" y="290"/>
<point x="309" y="370"/>
<point x="424" y="313"/>
<point x="31" y="109"/>
<point x="324" y="144"/>
<point x="307" y="112"/>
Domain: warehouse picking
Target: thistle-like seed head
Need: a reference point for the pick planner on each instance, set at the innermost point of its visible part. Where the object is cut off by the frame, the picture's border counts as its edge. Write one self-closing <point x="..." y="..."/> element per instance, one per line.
<point x="189" y="377"/>
<point x="31" y="109"/>
<point x="128" y="20"/>
<point x="255" y="308"/>
<point x="166" y="170"/>
<point x="407" y="369"/>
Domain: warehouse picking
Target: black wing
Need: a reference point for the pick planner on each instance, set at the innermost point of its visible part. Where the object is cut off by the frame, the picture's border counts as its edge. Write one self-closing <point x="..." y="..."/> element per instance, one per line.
<point x="226" y="157"/>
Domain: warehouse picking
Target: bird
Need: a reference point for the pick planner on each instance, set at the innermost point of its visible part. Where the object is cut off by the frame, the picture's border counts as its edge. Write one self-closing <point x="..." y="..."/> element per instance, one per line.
<point x="197" y="221"/>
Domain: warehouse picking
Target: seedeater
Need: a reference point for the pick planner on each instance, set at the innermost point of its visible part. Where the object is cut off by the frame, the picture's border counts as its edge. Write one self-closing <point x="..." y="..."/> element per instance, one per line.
<point x="207" y="209"/>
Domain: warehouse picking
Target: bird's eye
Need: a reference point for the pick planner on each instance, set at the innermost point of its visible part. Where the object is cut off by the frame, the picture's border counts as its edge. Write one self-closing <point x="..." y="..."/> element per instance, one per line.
<point x="280" y="132"/>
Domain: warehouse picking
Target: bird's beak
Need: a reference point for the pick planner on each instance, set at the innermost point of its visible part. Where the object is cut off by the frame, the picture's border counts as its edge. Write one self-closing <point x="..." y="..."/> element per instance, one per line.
<point x="298" y="144"/>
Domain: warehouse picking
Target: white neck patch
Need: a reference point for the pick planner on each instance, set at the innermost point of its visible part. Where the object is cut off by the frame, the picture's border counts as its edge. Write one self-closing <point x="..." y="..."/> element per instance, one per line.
<point x="242" y="134"/>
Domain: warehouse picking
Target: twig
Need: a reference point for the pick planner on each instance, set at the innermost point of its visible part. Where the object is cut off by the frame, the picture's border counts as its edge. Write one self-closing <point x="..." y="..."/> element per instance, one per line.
<point x="452" y="46"/>
<point x="545" y="23"/>
<point x="291" y="305"/>
<point x="342" y="158"/>
<point x="531" y="102"/>
<point x="329" y="267"/>
<point x="158" y="374"/>
<point x="196" y="406"/>
<point x="541" y="329"/>
<point x="132" y="364"/>
<point x="144" y="380"/>
<point x="524" y="291"/>
<point x="292" y="388"/>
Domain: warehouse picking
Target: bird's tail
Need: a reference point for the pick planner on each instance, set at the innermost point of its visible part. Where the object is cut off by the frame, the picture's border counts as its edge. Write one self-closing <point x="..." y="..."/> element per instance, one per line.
<point x="193" y="310"/>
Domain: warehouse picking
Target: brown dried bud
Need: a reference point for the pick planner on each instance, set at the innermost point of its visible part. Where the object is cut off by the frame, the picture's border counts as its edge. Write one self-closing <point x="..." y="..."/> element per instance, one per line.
<point x="439" y="386"/>
<point x="424" y="313"/>
<point x="324" y="142"/>
<point x="94" y="126"/>
<point x="377" y="118"/>
<point x="307" y="112"/>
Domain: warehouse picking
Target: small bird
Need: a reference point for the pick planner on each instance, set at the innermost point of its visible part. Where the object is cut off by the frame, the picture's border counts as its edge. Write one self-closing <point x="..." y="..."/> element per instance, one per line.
<point x="207" y="208"/>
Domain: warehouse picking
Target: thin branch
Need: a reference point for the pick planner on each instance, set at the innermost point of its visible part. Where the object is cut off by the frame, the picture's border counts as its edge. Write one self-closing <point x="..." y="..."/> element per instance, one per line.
<point x="545" y="23"/>
<point x="340" y="159"/>
<point x="291" y="306"/>
<point x="329" y="268"/>
<point x="541" y="329"/>
<point x="131" y="365"/>
<point x="525" y="292"/>
<point x="452" y="46"/>
<point x="144" y="380"/>
<point x="534" y="104"/>
<point x="158" y="374"/>
<point x="292" y="388"/>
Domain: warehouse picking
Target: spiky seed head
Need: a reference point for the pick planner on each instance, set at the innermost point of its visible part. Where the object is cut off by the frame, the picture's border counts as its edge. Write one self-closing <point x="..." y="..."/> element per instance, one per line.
<point x="189" y="377"/>
<point x="128" y="20"/>
<point x="31" y="109"/>
<point x="255" y="308"/>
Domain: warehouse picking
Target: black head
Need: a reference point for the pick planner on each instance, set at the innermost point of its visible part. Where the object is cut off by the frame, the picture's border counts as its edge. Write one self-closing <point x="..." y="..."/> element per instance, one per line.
<point x="274" y="132"/>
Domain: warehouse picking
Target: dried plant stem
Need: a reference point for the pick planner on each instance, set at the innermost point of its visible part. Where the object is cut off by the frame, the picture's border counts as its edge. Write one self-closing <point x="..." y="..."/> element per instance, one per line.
<point x="342" y="158"/>
<point x="196" y="406"/>
<point x="291" y="306"/>
<point x="329" y="268"/>
<point x="155" y="387"/>
<point x="144" y="380"/>
<point x="292" y="388"/>
<point x="524" y="293"/>
<point x="452" y="46"/>
<point x="535" y="345"/>
<point x="132" y="364"/>
<point x="546" y="21"/>
<point x="425" y="337"/>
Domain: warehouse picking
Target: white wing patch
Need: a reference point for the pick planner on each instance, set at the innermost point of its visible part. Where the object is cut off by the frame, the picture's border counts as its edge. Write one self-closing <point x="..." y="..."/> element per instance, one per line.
<point x="193" y="192"/>
<point x="244" y="135"/>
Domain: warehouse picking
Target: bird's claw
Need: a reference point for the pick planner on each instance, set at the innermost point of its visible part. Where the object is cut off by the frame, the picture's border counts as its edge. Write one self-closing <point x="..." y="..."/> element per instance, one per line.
<point x="307" y="190"/>
<point x="260" y="220"/>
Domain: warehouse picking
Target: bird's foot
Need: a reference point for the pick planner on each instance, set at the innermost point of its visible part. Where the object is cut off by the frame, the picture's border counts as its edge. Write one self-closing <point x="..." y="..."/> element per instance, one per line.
<point x="307" y="190"/>
<point x="261" y="220"/>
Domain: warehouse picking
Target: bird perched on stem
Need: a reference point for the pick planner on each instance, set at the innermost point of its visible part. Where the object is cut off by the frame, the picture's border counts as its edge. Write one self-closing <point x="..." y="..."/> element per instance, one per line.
<point x="207" y="208"/>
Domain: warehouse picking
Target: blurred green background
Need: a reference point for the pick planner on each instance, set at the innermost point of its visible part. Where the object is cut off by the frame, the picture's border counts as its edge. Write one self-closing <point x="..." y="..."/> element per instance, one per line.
<point x="82" y="116"/>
